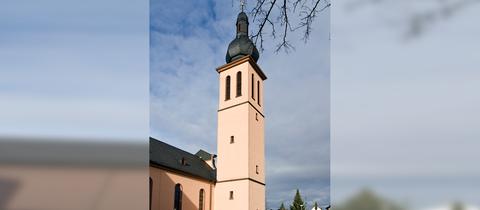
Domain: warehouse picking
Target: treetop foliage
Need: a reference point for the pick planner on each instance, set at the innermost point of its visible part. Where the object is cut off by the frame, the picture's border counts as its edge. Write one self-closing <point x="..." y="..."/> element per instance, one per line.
<point x="368" y="200"/>
<point x="298" y="203"/>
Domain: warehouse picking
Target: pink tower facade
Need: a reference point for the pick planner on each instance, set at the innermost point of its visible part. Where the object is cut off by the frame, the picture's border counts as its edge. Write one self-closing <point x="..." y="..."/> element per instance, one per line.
<point x="240" y="137"/>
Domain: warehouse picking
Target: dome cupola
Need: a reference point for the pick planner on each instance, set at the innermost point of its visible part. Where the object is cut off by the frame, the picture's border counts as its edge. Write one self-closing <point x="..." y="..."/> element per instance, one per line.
<point x="241" y="45"/>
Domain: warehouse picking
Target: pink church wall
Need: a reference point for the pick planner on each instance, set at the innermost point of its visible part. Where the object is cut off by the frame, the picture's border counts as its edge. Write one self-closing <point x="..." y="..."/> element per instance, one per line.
<point x="163" y="189"/>
<point x="102" y="188"/>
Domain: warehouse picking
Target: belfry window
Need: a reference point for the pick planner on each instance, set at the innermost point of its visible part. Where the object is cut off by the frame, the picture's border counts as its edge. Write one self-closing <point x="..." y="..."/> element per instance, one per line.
<point x="200" y="200"/>
<point x="231" y="195"/>
<point x="239" y="84"/>
<point x="258" y="92"/>
<point x="177" y="203"/>
<point x="227" y="88"/>
<point x="256" y="169"/>
<point x="253" y="87"/>
<point x="232" y="139"/>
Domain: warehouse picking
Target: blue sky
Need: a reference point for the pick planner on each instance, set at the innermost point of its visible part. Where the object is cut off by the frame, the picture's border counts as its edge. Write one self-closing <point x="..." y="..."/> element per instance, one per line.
<point x="75" y="69"/>
<point x="189" y="40"/>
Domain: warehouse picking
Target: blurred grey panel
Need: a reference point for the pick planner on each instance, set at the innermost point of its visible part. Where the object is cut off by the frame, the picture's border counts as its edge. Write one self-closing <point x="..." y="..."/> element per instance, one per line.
<point x="75" y="152"/>
<point x="7" y="189"/>
<point x="405" y="101"/>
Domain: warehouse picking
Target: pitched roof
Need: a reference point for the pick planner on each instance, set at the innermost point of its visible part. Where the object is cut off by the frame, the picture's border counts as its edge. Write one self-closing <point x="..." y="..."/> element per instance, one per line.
<point x="202" y="154"/>
<point x="168" y="156"/>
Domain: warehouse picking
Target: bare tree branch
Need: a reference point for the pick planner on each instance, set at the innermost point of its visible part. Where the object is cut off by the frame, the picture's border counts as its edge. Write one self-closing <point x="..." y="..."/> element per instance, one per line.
<point x="417" y="22"/>
<point x="302" y="11"/>
<point x="310" y="15"/>
<point x="295" y="4"/>
<point x="262" y="24"/>
<point x="284" y="21"/>
<point x="257" y="9"/>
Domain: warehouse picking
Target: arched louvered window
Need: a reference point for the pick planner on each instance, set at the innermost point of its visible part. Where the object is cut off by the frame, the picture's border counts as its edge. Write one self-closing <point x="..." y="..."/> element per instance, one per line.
<point x="239" y="84"/>
<point x="227" y="88"/>
<point x="201" y="198"/>
<point x="177" y="203"/>
<point x="253" y="87"/>
<point x="150" y="194"/>
<point x="258" y="92"/>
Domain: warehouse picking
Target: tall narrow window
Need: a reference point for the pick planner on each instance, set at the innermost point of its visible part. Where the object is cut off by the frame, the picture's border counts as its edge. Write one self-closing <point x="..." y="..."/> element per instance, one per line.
<point x="258" y="92"/>
<point x="227" y="88"/>
<point x="232" y="139"/>
<point x="150" y="194"/>
<point x="231" y="195"/>
<point x="200" y="200"/>
<point x="177" y="203"/>
<point x="239" y="84"/>
<point x="253" y="88"/>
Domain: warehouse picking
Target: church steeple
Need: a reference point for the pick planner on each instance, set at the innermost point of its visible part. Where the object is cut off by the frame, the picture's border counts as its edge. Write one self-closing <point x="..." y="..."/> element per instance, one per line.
<point x="240" y="128"/>
<point x="242" y="24"/>
<point x="241" y="45"/>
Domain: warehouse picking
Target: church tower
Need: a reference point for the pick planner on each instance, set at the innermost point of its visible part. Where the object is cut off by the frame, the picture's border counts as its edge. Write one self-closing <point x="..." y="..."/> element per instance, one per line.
<point x="240" y="144"/>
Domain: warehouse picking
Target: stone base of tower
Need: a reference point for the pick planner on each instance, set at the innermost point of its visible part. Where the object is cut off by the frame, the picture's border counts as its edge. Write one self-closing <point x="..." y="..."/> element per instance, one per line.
<point x="243" y="194"/>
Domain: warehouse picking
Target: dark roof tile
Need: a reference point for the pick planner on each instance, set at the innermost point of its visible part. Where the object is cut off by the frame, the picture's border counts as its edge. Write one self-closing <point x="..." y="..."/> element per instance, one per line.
<point x="168" y="156"/>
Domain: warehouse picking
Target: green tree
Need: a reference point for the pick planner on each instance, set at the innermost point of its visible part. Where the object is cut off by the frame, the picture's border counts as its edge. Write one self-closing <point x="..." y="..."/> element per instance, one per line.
<point x="367" y="200"/>
<point x="458" y="206"/>
<point x="282" y="207"/>
<point x="298" y="203"/>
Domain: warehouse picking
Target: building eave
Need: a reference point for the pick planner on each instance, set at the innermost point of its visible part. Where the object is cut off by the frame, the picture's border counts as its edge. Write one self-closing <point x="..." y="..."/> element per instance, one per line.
<point x="241" y="61"/>
<point x="184" y="173"/>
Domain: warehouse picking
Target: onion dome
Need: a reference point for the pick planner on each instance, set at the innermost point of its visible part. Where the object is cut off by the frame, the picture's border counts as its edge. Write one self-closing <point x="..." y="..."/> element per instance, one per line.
<point x="241" y="45"/>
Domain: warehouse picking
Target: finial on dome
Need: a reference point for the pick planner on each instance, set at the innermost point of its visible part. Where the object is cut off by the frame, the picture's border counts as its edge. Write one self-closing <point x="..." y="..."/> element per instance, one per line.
<point x="242" y="4"/>
<point x="241" y="45"/>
